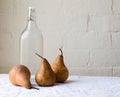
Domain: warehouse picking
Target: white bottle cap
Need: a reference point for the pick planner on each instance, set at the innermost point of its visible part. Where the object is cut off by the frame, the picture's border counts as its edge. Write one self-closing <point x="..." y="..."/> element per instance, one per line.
<point x="31" y="15"/>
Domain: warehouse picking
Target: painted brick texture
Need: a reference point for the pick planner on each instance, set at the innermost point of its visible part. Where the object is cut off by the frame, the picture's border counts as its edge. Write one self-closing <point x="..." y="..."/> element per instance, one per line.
<point x="87" y="30"/>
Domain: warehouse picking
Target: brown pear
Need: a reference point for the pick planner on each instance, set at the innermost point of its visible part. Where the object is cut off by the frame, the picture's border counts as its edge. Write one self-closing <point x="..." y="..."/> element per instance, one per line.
<point x="60" y="69"/>
<point x="45" y="75"/>
<point x="19" y="75"/>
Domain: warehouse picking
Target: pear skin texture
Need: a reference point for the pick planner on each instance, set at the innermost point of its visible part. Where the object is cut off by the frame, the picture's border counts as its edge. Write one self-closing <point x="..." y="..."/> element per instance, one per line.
<point x="19" y="75"/>
<point x="60" y="69"/>
<point x="45" y="75"/>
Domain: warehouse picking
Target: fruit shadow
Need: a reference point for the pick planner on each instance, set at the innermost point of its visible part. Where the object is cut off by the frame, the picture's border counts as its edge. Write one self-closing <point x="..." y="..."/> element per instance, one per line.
<point x="34" y="84"/>
<point x="66" y="82"/>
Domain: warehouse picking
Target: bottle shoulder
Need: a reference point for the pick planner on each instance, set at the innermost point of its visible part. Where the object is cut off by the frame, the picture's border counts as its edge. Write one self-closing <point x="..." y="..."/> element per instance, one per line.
<point x="29" y="33"/>
<point x="31" y="30"/>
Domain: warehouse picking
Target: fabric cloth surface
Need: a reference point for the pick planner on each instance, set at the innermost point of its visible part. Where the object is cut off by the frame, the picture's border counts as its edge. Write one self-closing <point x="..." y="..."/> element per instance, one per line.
<point x="75" y="86"/>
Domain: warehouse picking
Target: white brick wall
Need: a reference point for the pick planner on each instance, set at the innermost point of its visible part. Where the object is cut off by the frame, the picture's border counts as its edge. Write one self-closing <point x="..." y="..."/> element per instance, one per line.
<point x="115" y="40"/>
<point x="105" y="23"/>
<point x="105" y="57"/>
<point x="87" y="40"/>
<point x="92" y="70"/>
<point x="116" y="71"/>
<point x="88" y="31"/>
<point x="87" y="6"/>
<point x="76" y="57"/>
<point x="116" y="6"/>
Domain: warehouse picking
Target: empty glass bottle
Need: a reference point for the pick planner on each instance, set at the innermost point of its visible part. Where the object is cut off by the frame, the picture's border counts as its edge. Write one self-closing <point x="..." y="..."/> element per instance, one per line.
<point x="31" y="42"/>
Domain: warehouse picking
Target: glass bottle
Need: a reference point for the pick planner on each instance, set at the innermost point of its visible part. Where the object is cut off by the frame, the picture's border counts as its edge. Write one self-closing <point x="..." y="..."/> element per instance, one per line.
<point x="31" y="42"/>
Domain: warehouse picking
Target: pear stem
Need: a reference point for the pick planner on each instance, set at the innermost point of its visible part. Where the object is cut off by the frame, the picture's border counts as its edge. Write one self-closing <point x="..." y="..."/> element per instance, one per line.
<point x="39" y="56"/>
<point x="61" y="51"/>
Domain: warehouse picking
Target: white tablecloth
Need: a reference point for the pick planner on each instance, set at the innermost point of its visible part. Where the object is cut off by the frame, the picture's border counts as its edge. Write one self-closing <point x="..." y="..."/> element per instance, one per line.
<point x="75" y="86"/>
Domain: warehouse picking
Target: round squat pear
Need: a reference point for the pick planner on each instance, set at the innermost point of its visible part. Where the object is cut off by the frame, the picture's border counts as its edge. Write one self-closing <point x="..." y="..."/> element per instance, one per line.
<point x="19" y="75"/>
<point x="60" y="69"/>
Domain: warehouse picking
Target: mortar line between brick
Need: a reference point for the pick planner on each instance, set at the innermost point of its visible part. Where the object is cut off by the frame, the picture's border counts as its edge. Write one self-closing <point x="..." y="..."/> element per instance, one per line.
<point x="88" y="58"/>
<point x="112" y="7"/>
<point x="88" y="19"/>
<point x="111" y="39"/>
<point x="61" y="41"/>
<point x="112" y="71"/>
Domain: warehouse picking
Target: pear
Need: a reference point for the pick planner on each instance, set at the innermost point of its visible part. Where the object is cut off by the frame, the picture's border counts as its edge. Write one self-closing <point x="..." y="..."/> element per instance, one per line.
<point x="60" y="69"/>
<point x="19" y="75"/>
<point x="45" y="75"/>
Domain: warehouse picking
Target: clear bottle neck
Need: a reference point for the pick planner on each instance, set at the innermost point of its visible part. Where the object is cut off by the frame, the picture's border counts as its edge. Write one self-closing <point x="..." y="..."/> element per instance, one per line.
<point x="31" y="24"/>
<point x="31" y="19"/>
<point x="31" y="14"/>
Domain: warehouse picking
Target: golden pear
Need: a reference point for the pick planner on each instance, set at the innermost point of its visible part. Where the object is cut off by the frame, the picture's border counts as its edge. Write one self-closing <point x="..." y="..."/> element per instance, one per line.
<point x="19" y="75"/>
<point x="60" y="69"/>
<point x="45" y="75"/>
